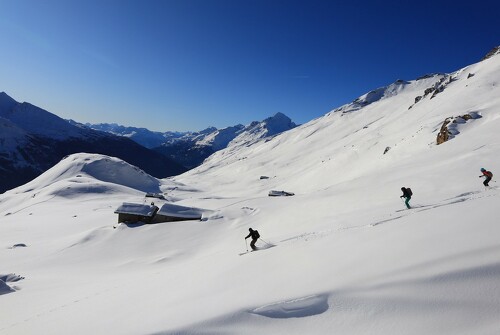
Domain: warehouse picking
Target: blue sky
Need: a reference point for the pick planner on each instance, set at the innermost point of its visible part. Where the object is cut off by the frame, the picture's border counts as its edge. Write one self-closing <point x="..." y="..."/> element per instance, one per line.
<point x="190" y="64"/>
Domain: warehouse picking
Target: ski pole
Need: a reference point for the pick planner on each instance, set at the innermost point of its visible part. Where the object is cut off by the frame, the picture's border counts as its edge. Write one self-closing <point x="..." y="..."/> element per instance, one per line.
<point x="265" y="241"/>
<point x="246" y="243"/>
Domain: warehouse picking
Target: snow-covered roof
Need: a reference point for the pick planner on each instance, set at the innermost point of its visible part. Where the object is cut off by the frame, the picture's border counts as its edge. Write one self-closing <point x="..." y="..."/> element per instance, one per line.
<point x="170" y="209"/>
<point x="136" y="209"/>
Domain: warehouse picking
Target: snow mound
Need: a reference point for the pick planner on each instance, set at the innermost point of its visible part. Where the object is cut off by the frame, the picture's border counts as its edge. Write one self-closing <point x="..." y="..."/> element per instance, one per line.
<point x="83" y="170"/>
<point x="297" y="308"/>
<point x="116" y="171"/>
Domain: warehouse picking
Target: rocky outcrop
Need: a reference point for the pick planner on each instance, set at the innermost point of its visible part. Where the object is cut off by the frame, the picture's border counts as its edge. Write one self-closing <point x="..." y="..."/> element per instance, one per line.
<point x="435" y="89"/>
<point x="449" y="127"/>
<point x="492" y="52"/>
<point x="444" y="134"/>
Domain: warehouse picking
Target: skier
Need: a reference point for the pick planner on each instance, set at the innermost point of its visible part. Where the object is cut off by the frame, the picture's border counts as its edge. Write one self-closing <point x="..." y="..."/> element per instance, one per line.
<point x="488" y="176"/>
<point x="254" y="234"/>
<point x="407" y="193"/>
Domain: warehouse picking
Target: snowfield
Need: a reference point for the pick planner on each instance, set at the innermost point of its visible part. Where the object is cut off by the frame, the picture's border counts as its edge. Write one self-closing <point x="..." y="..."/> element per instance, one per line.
<point x="341" y="256"/>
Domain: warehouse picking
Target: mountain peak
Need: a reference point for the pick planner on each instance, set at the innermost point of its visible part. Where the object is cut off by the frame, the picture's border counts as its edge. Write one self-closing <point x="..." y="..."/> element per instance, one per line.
<point x="278" y="123"/>
<point x="6" y="103"/>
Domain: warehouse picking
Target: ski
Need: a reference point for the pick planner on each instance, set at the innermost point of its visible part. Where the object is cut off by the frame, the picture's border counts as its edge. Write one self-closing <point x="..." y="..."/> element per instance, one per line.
<point x="246" y="252"/>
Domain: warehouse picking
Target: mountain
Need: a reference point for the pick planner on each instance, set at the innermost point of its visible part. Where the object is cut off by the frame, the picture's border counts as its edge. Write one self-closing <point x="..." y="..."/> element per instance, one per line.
<point x="341" y="256"/>
<point x="191" y="148"/>
<point x="145" y="137"/>
<point x="33" y="140"/>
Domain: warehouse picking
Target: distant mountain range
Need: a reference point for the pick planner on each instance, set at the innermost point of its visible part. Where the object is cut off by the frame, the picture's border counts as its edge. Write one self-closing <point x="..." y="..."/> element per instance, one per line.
<point x="33" y="140"/>
<point x="191" y="148"/>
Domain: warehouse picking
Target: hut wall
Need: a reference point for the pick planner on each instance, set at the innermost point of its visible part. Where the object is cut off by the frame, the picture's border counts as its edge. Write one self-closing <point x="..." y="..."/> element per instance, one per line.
<point x="132" y="218"/>
<point x="158" y="218"/>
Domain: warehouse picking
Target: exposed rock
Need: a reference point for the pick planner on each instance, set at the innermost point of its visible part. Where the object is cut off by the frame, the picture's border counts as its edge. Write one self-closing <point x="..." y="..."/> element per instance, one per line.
<point x="443" y="134"/>
<point x="449" y="127"/>
<point x="440" y="86"/>
<point x="468" y="117"/>
<point x="429" y="91"/>
<point x="492" y="52"/>
<point x="429" y="75"/>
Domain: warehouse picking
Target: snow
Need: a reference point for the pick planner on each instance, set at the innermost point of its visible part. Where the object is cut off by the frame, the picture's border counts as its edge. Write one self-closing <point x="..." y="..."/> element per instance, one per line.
<point x="82" y="171"/>
<point x="136" y="209"/>
<point x="347" y="257"/>
<point x="169" y="209"/>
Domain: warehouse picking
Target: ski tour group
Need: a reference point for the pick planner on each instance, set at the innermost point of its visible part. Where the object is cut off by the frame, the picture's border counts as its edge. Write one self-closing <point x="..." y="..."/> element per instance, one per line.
<point x="407" y="194"/>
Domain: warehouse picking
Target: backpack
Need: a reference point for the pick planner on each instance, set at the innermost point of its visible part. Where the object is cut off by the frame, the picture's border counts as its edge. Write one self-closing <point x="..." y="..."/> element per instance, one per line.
<point x="408" y="190"/>
<point x="256" y="234"/>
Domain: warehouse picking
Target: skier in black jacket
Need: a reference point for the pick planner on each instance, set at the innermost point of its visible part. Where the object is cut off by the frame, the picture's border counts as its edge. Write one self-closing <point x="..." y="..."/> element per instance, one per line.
<point x="254" y="234"/>
<point x="407" y="193"/>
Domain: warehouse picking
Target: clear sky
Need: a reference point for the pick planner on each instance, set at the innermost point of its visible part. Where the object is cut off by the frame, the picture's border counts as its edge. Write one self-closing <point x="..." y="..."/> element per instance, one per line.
<point x="189" y="64"/>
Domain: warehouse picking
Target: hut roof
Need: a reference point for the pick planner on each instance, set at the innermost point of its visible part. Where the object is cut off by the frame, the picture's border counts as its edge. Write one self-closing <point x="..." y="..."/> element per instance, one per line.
<point x="136" y="209"/>
<point x="169" y="209"/>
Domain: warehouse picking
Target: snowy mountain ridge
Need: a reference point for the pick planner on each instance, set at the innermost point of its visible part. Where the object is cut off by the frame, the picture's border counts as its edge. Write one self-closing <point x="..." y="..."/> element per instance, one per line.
<point x="212" y="137"/>
<point x="192" y="148"/>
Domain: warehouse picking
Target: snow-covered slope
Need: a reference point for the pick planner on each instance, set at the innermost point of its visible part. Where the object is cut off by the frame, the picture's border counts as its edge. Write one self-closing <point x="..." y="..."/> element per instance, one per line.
<point x="342" y="256"/>
<point x="350" y="141"/>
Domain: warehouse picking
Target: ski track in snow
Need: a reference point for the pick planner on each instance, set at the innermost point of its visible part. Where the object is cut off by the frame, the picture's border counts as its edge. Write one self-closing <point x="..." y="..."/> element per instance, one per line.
<point x="468" y="196"/>
<point x="58" y="307"/>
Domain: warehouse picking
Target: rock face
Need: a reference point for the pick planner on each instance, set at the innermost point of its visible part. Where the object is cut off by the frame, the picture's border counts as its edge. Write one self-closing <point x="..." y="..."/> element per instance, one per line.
<point x="449" y="128"/>
<point x="444" y="134"/>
